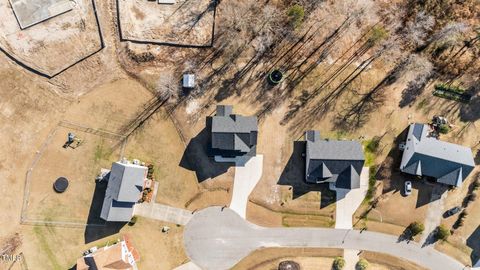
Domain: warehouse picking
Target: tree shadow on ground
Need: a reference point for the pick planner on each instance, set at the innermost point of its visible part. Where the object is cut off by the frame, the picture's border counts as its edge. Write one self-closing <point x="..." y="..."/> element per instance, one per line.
<point x="197" y="158"/>
<point x="393" y="179"/>
<point x="476" y="158"/>
<point x="294" y="175"/>
<point x="431" y="239"/>
<point x="470" y="112"/>
<point x="473" y="241"/>
<point x="405" y="236"/>
<point x="96" y="227"/>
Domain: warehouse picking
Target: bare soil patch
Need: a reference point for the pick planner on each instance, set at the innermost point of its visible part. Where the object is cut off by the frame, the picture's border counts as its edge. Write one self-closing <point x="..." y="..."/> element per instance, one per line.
<point x="55" y="44"/>
<point x="185" y="22"/>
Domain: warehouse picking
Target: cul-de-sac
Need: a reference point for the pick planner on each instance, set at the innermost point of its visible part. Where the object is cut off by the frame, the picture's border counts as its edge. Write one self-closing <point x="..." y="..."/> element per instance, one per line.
<point x="239" y="134"/>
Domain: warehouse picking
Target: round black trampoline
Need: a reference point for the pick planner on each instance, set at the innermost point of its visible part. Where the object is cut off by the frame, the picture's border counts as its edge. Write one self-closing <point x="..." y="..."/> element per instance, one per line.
<point x="60" y="184"/>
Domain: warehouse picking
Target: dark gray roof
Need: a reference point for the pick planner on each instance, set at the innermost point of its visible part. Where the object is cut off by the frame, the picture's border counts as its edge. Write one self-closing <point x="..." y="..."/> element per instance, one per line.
<point x="124" y="187"/>
<point x="338" y="162"/>
<point x="425" y="155"/>
<point x="224" y="110"/>
<point x="233" y="132"/>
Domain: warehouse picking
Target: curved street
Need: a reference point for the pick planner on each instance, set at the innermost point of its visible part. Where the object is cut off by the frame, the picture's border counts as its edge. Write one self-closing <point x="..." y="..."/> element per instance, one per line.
<point x="217" y="238"/>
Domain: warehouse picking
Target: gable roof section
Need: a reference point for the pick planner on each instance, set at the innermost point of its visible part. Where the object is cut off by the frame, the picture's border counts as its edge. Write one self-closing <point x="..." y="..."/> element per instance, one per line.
<point x="348" y="179"/>
<point x="321" y="171"/>
<point x="123" y="190"/>
<point x="335" y="150"/>
<point x="425" y="155"/>
<point x="414" y="168"/>
<point x="453" y="178"/>
<point x="338" y="162"/>
<point x="231" y="132"/>
<point x="126" y="181"/>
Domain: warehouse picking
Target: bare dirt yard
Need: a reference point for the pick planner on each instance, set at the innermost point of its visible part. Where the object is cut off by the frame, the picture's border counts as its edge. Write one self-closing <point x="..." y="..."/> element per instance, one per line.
<point x="185" y="22"/>
<point x="55" y="44"/>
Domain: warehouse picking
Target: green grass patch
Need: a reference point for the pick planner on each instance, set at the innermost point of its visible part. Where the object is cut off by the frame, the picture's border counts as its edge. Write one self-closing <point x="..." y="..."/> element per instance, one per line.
<point x="371" y="149"/>
<point x="422" y="104"/>
<point x="371" y="183"/>
<point x="44" y="246"/>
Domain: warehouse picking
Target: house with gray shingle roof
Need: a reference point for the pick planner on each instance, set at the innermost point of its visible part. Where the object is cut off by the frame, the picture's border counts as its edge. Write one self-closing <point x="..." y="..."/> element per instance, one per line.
<point x="232" y="135"/>
<point x="125" y="185"/>
<point x="425" y="155"/>
<point x="331" y="161"/>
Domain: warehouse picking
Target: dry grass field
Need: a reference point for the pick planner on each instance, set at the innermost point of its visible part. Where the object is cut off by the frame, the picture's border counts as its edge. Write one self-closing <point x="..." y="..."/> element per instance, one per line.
<point x="80" y="166"/>
<point x="353" y="70"/>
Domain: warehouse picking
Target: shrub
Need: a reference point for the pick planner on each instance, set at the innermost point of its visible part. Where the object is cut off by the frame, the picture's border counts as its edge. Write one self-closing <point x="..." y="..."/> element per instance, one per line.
<point x="373" y="144"/>
<point x="472" y="197"/>
<point x="416" y="228"/>
<point x="133" y="221"/>
<point x="476" y="184"/>
<point x="451" y="88"/>
<point x="444" y="129"/>
<point x="378" y="33"/>
<point x="338" y="263"/>
<point x="362" y="264"/>
<point x="442" y="233"/>
<point x="371" y="183"/>
<point x="296" y="13"/>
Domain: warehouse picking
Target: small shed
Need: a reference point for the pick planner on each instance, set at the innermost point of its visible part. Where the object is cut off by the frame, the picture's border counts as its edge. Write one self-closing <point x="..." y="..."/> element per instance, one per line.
<point x="188" y="81"/>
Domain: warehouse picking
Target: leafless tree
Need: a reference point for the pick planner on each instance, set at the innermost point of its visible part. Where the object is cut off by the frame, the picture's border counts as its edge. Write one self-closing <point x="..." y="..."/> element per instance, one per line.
<point x="423" y="70"/>
<point x="167" y="86"/>
<point x="417" y="30"/>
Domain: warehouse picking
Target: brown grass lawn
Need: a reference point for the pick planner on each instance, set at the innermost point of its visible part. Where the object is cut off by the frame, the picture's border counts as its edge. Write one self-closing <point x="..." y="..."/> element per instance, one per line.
<point x="308" y="258"/>
<point x="159" y="143"/>
<point x="61" y="247"/>
<point x="380" y="261"/>
<point x="80" y="166"/>
<point x="464" y="243"/>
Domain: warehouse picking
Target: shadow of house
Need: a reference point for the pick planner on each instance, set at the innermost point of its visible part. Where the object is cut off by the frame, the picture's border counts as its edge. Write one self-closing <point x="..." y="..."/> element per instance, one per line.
<point x="198" y="158"/>
<point x="96" y="227"/>
<point x="473" y="241"/>
<point x="393" y="180"/>
<point x="294" y="175"/>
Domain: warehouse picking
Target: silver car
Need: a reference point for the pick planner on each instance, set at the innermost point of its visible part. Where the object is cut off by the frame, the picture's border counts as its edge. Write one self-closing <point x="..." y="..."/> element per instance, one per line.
<point x="408" y="188"/>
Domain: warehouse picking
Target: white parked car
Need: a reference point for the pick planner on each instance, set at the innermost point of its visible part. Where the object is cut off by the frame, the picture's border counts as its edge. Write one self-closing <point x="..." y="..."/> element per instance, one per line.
<point x="408" y="188"/>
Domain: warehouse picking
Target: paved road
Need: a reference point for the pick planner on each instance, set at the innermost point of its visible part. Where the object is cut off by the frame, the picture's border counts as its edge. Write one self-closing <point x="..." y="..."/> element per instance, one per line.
<point x="217" y="240"/>
<point x="247" y="175"/>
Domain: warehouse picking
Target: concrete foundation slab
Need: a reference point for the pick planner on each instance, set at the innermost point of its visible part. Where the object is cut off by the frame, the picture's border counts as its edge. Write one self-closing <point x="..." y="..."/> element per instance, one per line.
<point x="31" y="12"/>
